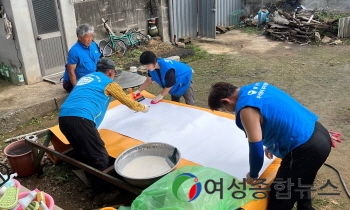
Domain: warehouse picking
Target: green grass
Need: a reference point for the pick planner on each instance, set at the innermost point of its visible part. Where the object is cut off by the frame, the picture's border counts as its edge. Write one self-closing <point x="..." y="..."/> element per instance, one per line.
<point x="346" y="41"/>
<point x="131" y="56"/>
<point x="330" y="16"/>
<point x="198" y="54"/>
<point x="251" y="30"/>
<point x="63" y="172"/>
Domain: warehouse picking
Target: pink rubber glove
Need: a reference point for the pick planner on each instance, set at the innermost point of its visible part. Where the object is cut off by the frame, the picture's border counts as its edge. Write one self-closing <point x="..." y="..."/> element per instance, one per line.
<point x="137" y="93"/>
<point x="157" y="99"/>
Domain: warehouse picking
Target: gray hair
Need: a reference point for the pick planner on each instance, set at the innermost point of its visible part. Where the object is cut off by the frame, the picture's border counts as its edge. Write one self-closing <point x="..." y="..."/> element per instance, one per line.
<point x="84" y="29"/>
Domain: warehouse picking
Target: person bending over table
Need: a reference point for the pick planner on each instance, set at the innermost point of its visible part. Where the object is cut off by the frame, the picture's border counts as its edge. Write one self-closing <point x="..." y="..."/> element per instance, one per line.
<point x="174" y="77"/>
<point x="272" y="118"/>
<point x="82" y="57"/>
<point x="81" y="114"/>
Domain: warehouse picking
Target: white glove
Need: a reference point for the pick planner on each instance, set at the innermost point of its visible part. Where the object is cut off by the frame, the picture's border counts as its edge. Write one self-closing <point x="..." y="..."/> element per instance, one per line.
<point x="157" y="99"/>
<point x="146" y="109"/>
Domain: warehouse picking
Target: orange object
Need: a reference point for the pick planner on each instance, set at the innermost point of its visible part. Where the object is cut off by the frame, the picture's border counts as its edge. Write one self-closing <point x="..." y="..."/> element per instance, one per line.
<point x="132" y="93"/>
<point x="40" y="196"/>
<point x="137" y="98"/>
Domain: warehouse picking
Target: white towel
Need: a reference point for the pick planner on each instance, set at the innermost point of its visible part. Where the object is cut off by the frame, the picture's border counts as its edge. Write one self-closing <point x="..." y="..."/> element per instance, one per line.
<point x="7" y="26"/>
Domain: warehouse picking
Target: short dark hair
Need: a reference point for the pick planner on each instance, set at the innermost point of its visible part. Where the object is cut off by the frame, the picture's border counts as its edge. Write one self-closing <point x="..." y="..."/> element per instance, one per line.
<point x="105" y="64"/>
<point x="148" y="57"/>
<point x="219" y="91"/>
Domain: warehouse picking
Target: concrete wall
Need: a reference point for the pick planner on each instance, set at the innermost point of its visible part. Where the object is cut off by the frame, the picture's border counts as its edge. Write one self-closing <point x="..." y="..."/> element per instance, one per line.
<point x="69" y="23"/>
<point x="160" y="9"/>
<point x="121" y="15"/>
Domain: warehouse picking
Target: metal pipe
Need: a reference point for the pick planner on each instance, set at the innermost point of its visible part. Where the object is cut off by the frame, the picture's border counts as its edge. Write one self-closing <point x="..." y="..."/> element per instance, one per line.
<point x="24" y="135"/>
<point x="171" y="21"/>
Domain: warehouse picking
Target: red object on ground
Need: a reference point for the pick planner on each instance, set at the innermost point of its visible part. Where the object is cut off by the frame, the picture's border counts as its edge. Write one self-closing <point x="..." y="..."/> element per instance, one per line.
<point x="335" y="136"/>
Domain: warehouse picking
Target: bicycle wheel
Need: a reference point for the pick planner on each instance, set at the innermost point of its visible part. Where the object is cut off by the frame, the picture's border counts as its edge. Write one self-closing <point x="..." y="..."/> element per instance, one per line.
<point x="139" y="38"/>
<point x="107" y="50"/>
<point x="120" y="47"/>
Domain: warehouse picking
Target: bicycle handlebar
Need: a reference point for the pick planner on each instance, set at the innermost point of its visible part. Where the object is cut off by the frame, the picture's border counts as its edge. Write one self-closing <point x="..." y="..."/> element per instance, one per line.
<point x="104" y="21"/>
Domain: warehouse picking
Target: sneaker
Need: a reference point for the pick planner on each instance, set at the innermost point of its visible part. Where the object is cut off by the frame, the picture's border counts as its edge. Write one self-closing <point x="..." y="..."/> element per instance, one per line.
<point x="106" y="197"/>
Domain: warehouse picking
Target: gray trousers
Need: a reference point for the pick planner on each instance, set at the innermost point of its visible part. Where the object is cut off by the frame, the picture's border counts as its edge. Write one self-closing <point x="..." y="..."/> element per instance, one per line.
<point x="188" y="96"/>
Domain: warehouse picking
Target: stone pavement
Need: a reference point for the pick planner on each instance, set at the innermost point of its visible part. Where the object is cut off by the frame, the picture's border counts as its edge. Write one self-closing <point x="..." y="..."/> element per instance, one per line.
<point x="19" y="104"/>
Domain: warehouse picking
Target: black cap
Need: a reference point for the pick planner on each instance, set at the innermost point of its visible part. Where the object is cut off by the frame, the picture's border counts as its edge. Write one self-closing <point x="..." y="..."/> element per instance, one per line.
<point x="105" y="64"/>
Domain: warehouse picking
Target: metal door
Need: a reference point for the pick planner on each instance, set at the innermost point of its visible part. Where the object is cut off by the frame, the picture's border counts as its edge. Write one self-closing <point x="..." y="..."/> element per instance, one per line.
<point x="207" y="18"/>
<point x="183" y="19"/>
<point x="48" y="33"/>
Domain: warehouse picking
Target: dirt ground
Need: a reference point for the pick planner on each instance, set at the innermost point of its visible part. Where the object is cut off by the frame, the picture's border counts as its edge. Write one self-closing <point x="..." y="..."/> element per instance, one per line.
<point x="316" y="75"/>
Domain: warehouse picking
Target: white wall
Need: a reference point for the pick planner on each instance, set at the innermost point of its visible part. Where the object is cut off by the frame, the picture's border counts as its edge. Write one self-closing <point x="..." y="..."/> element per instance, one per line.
<point x="26" y="59"/>
<point x="8" y="53"/>
<point x="23" y="29"/>
<point x="69" y="22"/>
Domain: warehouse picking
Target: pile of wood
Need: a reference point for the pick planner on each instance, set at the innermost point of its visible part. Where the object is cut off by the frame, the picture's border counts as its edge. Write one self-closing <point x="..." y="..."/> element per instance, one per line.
<point x="299" y="27"/>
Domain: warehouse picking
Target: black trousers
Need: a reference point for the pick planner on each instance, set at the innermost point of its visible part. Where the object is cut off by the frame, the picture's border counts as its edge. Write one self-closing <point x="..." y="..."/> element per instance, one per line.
<point x="88" y="146"/>
<point x="67" y="85"/>
<point x="298" y="171"/>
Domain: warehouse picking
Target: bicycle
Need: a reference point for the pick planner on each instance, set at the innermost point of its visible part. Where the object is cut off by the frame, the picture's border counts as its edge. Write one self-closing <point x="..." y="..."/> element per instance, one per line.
<point x="120" y="44"/>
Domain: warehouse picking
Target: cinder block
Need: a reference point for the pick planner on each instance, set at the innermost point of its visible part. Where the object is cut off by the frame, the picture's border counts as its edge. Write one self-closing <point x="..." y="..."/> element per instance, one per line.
<point x="185" y="39"/>
<point x="181" y="44"/>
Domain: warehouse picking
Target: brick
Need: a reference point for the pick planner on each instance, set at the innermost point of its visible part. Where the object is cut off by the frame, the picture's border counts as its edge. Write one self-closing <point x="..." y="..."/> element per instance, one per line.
<point x="181" y="44"/>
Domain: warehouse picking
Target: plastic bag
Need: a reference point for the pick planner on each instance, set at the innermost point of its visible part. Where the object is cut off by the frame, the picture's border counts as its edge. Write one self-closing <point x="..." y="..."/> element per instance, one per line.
<point x="194" y="187"/>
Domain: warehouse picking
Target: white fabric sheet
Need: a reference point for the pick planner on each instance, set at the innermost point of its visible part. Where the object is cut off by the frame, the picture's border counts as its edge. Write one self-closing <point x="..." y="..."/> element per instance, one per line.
<point x="200" y="136"/>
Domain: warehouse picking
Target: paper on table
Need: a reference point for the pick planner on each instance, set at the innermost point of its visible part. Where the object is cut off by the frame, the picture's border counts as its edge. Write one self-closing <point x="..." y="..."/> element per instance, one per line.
<point x="200" y="136"/>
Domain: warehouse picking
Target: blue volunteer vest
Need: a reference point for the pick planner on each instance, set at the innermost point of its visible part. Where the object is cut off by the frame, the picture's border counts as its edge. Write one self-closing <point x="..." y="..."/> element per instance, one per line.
<point x="286" y="123"/>
<point x="88" y="99"/>
<point x="183" y="75"/>
<point x="88" y="58"/>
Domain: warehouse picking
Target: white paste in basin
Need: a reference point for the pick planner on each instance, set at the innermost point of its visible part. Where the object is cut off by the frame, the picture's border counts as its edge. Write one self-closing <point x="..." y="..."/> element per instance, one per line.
<point x="145" y="167"/>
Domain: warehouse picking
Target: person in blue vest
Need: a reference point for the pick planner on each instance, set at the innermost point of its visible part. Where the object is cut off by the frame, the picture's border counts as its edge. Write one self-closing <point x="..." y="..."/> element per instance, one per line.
<point x="82" y="57"/>
<point x="172" y="76"/>
<point x="288" y="130"/>
<point x="82" y="113"/>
